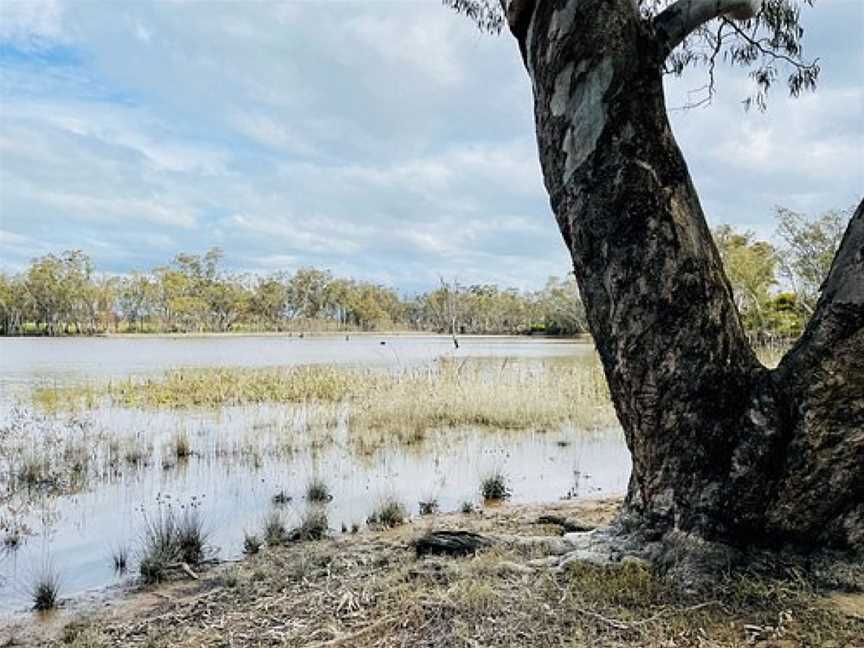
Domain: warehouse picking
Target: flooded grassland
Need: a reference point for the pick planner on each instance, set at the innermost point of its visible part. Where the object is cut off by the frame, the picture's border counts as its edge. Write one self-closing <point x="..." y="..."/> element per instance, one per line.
<point x="118" y="453"/>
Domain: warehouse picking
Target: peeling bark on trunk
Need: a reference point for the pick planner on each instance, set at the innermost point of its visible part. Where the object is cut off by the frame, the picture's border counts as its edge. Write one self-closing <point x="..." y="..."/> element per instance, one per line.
<point x="722" y="447"/>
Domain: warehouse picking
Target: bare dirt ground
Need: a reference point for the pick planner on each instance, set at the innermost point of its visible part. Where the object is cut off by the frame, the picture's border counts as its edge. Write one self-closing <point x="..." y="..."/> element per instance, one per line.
<point x="371" y="590"/>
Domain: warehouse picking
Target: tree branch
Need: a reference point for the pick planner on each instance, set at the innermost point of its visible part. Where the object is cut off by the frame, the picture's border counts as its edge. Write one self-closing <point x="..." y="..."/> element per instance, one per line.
<point x="518" y="15"/>
<point x="767" y="51"/>
<point x="679" y="20"/>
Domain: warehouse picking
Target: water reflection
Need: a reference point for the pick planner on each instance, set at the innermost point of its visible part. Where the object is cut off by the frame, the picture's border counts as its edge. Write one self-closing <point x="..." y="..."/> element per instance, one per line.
<point x="111" y="465"/>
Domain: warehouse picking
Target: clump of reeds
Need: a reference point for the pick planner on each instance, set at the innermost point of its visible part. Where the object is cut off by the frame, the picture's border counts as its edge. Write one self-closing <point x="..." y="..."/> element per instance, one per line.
<point x="76" y="457"/>
<point x="467" y="507"/>
<point x="428" y="506"/>
<point x="313" y="525"/>
<point x="493" y="487"/>
<point x="12" y="539"/>
<point x="318" y="491"/>
<point x="136" y="453"/>
<point x="251" y="544"/>
<point x="182" y="446"/>
<point x="389" y="513"/>
<point x="275" y="532"/>
<point x="120" y="558"/>
<point x="33" y="471"/>
<point x="170" y="540"/>
<point x="46" y="590"/>
<point x="281" y="498"/>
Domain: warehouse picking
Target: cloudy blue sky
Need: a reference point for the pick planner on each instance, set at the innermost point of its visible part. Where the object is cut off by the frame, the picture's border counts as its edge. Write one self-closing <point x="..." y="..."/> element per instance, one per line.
<point x="388" y="141"/>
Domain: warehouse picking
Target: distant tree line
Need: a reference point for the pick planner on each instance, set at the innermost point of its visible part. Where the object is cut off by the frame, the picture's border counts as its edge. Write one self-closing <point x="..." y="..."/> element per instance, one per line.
<point x="775" y="287"/>
<point x="62" y="294"/>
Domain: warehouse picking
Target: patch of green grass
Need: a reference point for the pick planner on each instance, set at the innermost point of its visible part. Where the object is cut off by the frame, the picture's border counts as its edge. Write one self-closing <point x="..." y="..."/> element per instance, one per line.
<point x="627" y="604"/>
<point x="83" y="634"/>
<point x="626" y="585"/>
<point x="217" y="386"/>
<point x="231" y="577"/>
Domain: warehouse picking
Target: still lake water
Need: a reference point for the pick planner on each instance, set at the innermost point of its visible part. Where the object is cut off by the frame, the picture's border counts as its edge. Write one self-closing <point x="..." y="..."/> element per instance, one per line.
<point x="245" y="455"/>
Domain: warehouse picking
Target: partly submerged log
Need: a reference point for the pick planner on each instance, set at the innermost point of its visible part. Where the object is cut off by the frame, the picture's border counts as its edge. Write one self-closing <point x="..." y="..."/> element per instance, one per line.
<point x="451" y="543"/>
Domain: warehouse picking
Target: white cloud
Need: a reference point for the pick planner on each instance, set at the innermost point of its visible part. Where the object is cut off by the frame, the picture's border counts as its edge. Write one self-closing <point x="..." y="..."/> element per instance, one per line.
<point x="389" y="141"/>
<point x="426" y="48"/>
<point x="31" y="23"/>
<point x="120" y="211"/>
<point x="274" y="133"/>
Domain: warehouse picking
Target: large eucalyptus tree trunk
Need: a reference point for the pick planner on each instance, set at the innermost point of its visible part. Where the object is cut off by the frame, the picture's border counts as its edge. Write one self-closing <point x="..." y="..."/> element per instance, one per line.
<point x="722" y="447"/>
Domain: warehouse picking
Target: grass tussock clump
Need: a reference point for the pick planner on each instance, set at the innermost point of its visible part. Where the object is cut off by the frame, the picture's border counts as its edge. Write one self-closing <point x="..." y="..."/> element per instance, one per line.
<point x="171" y="539"/>
<point x="494" y="487"/>
<point x="13" y="537"/>
<point x="251" y="544"/>
<point x="281" y="498"/>
<point x="313" y="525"/>
<point x="33" y="471"/>
<point x="45" y="592"/>
<point x="428" y="506"/>
<point x="182" y="446"/>
<point x="389" y="513"/>
<point x="318" y="491"/>
<point x="83" y="634"/>
<point x="120" y="558"/>
<point x="275" y="531"/>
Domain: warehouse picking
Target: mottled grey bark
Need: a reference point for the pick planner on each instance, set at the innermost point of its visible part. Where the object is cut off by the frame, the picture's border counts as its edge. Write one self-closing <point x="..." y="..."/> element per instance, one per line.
<point x="722" y="447"/>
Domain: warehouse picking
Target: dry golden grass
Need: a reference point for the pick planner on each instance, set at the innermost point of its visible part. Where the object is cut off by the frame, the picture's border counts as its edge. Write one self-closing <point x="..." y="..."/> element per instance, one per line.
<point x="491" y="395"/>
<point x="370" y="591"/>
<point x="503" y="394"/>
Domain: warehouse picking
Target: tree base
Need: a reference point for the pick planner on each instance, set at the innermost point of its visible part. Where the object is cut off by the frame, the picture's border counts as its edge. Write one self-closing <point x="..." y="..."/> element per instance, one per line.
<point x="694" y="564"/>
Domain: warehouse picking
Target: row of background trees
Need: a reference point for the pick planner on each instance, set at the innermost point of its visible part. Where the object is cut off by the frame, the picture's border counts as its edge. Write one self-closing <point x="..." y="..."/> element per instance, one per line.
<point x="62" y="294"/>
<point x="775" y="288"/>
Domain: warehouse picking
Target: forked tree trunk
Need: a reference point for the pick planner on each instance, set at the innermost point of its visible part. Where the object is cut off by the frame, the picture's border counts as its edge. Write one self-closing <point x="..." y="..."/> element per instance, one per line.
<point x="722" y="447"/>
